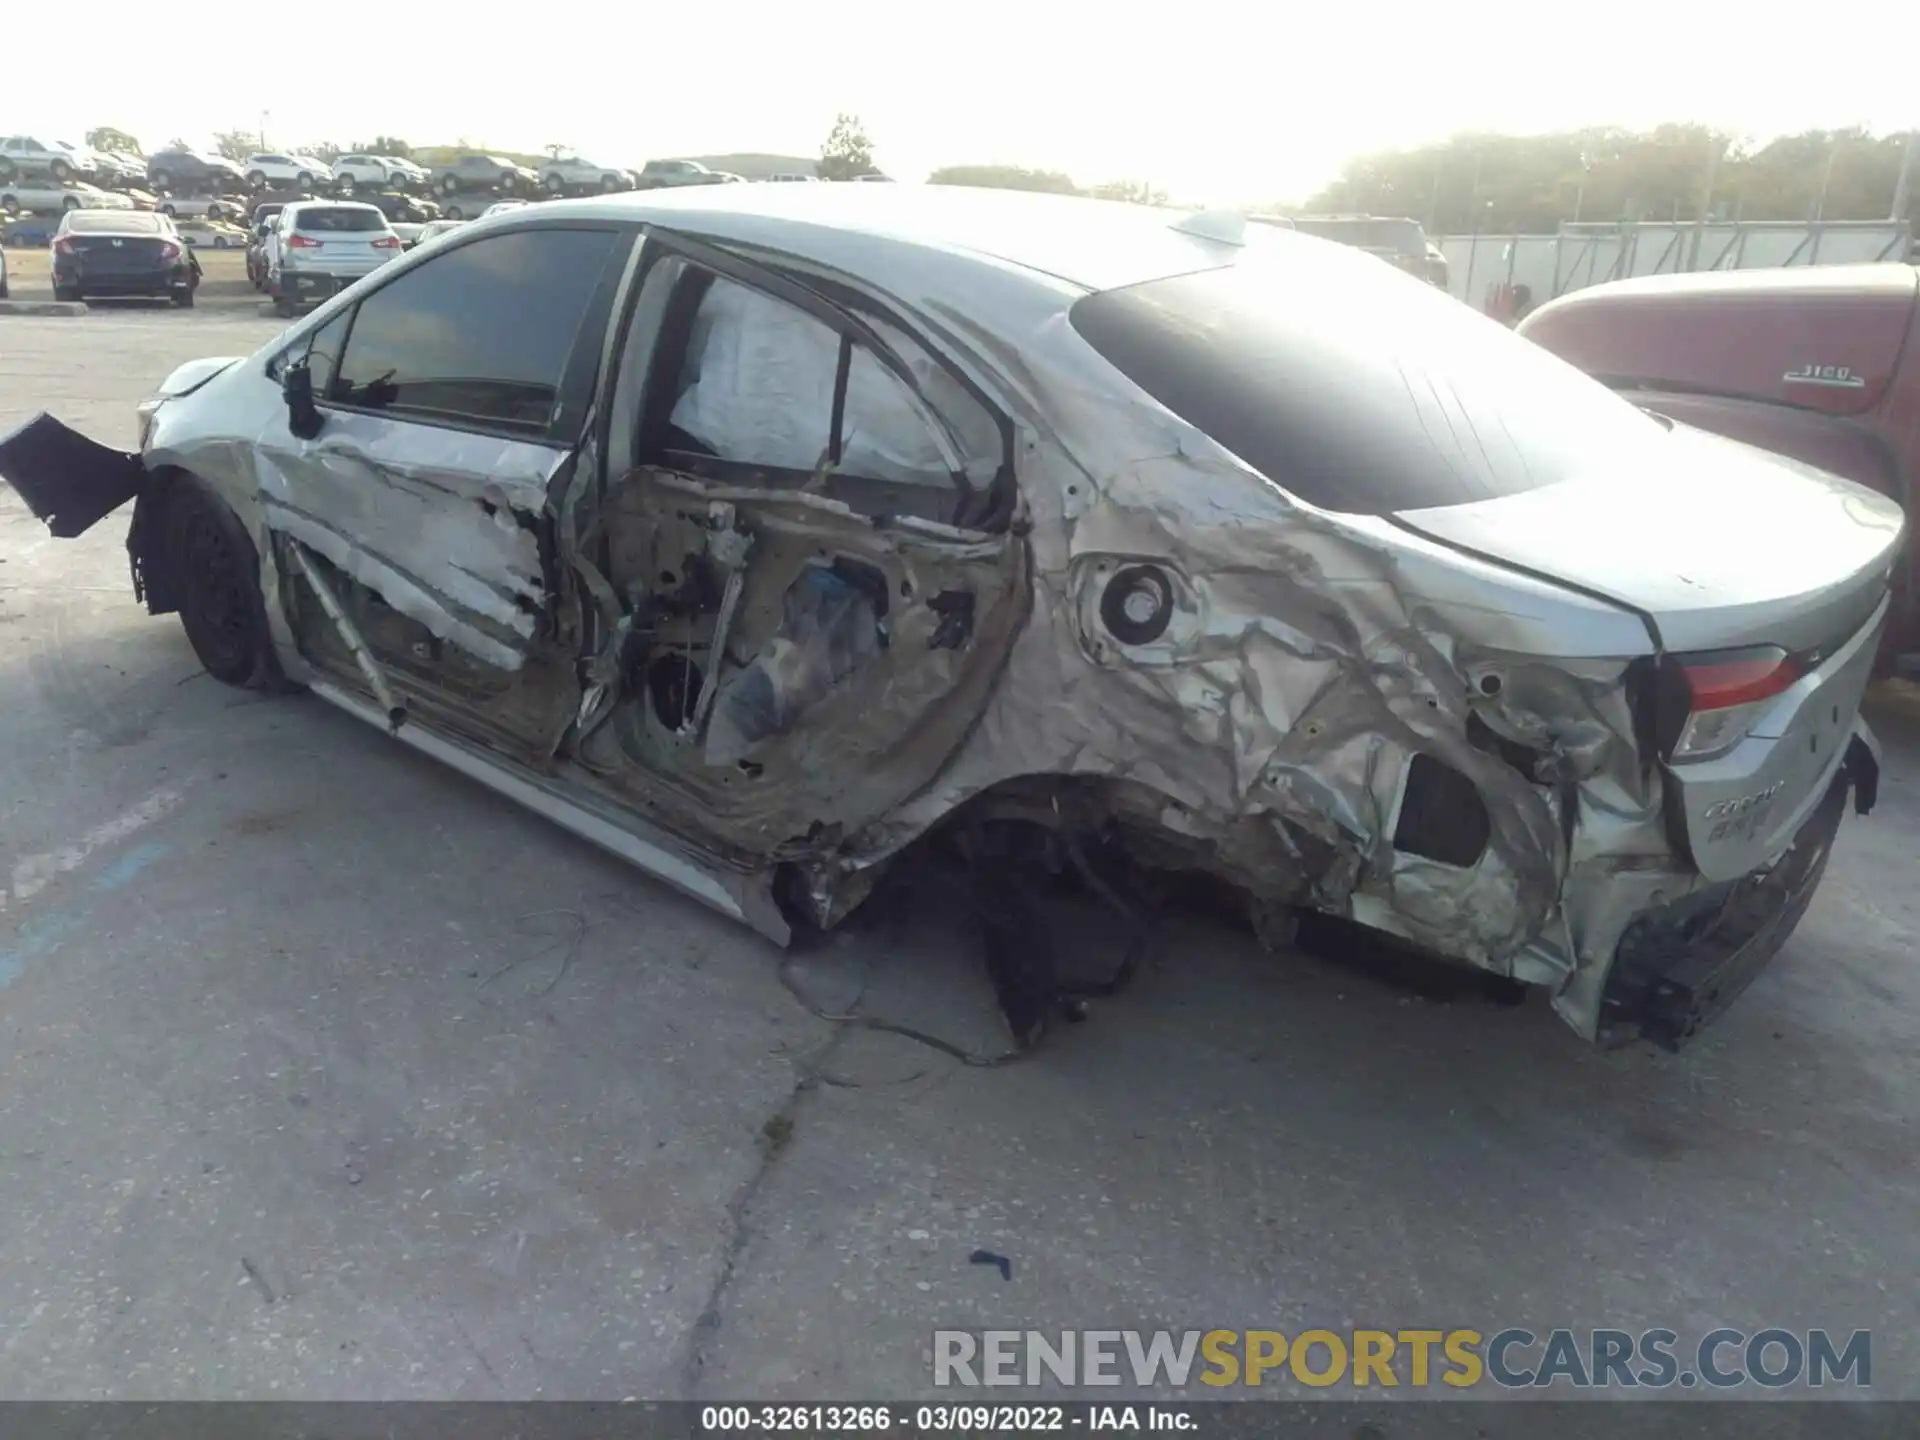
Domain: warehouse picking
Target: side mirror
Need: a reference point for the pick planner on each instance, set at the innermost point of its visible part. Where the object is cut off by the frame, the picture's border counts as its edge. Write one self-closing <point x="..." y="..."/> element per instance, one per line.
<point x="303" y="416"/>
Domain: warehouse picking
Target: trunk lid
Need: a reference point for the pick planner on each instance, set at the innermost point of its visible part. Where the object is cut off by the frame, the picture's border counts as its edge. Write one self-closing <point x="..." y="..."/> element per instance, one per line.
<point x="1716" y="543"/>
<point x="1824" y="338"/>
<point x="101" y="255"/>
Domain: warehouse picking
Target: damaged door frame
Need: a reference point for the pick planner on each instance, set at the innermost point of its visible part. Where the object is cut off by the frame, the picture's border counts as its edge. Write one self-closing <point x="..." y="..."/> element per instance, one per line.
<point x="638" y="354"/>
<point x="567" y="435"/>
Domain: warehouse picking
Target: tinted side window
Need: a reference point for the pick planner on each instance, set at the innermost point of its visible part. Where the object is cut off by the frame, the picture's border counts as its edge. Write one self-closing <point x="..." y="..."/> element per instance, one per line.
<point x="482" y="333"/>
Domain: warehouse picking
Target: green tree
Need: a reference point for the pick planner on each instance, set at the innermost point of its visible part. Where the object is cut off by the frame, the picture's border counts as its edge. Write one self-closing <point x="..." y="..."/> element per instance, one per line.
<point x="1533" y="183"/>
<point x="1005" y="177"/>
<point x="386" y="145"/>
<point x="108" y="138"/>
<point x="237" y="145"/>
<point x="848" y="152"/>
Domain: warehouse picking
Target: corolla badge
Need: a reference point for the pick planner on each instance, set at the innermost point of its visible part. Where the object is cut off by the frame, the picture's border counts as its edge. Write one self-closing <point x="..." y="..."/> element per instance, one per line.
<point x="1833" y="377"/>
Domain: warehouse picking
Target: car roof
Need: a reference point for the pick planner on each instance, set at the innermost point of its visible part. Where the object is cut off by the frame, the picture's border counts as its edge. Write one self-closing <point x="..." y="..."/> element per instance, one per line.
<point x="331" y="205"/>
<point x="1092" y="244"/>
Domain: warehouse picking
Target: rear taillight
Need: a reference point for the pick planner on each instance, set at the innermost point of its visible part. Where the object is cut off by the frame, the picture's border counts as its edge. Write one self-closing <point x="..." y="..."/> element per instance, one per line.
<point x="169" y="251"/>
<point x="387" y="242"/>
<point x="301" y="242"/>
<point x="1726" y="693"/>
<point x="65" y="246"/>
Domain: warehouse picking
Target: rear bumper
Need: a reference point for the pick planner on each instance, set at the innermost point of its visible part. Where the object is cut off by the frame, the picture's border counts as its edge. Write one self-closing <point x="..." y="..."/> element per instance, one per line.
<point x="312" y="286"/>
<point x="153" y="283"/>
<point x="1678" y="967"/>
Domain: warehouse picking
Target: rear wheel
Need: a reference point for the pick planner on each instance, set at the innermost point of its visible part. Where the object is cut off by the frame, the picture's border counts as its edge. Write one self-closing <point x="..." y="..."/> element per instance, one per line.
<point x="450" y="186"/>
<point x="218" y="575"/>
<point x="183" y="299"/>
<point x="556" y="184"/>
<point x="257" y="179"/>
<point x="61" y="171"/>
<point x="66" y="292"/>
<point x="72" y="202"/>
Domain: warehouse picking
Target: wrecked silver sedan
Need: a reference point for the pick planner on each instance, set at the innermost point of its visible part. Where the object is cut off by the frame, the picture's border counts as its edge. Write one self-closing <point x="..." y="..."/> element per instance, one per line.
<point x="758" y="532"/>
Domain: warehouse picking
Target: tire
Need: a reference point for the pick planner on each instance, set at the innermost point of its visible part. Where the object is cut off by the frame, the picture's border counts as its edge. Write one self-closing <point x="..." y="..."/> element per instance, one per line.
<point x="167" y="208"/>
<point x="345" y="185"/>
<point x="454" y="212"/>
<point x="183" y="299"/>
<point x="6" y="172"/>
<point x="450" y="185"/>
<point x="70" y="203"/>
<point x="3" y="290"/>
<point x="161" y="181"/>
<point x="284" y="308"/>
<point x="218" y="583"/>
<point x="256" y="179"/>
<point x="554" y="184"/>
<point x="60" y="171"/>
<point x="611" y="184"/>
<point x="66" y="293"/>
<point x="303" y="181"/>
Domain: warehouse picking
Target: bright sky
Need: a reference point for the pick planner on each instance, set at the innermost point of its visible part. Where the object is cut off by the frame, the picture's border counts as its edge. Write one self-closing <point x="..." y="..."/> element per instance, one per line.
<point x="1216" y="103"/>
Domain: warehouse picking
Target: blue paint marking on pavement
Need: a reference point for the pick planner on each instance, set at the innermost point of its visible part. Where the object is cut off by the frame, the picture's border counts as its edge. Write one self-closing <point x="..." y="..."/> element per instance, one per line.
<point x="36" y="937"/>
<point x="122" y="871"/>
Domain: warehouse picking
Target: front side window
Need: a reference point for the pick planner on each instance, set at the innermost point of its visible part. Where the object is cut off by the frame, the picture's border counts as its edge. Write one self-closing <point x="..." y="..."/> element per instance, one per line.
<point x="482" y="333"/>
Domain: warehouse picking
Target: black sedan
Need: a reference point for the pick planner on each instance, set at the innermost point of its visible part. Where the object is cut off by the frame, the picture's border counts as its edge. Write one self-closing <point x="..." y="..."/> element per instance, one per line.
<point x="122" y="253"/>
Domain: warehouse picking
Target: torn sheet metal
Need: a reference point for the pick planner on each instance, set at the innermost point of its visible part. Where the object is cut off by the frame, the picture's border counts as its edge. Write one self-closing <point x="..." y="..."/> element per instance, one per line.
<point x="443" y="525"/>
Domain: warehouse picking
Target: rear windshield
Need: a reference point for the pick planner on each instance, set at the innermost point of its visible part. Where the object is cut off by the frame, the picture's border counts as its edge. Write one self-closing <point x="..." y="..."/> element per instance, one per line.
<point x="338" y="219"/>
<point x="81" y="222"/>
<point x="1354" y="386"/>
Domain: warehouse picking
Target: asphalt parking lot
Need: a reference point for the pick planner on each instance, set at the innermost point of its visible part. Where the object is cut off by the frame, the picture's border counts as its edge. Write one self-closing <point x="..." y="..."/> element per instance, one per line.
<point x="324" y="1073"/>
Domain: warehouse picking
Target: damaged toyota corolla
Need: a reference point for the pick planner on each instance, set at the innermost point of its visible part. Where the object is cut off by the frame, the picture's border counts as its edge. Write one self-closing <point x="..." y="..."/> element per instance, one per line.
<point x="758" y="532"/>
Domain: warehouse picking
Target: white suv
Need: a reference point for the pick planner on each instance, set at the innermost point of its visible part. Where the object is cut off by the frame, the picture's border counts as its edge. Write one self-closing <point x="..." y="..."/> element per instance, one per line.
<point x="320" y="247"/>
<point x="572" y="172"/>
<point x="371" y="172"/>
<point x="22" y="155"/>
<point x="301" y="171"/>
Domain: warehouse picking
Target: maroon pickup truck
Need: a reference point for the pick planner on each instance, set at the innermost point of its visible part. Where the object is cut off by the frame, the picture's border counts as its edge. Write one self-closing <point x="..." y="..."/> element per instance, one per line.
<point x="1821" y="364"/>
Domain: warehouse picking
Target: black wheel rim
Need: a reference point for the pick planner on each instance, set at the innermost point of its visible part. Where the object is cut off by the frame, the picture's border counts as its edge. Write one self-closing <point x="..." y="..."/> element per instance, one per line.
<point x="216" y="603"/>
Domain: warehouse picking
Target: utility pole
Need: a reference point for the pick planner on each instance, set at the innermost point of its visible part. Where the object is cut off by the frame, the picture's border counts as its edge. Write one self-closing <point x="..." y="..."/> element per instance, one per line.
<point x="1901" y="185"/>
<point x="1826" y="179"/>
<point x="1706" y="201"/>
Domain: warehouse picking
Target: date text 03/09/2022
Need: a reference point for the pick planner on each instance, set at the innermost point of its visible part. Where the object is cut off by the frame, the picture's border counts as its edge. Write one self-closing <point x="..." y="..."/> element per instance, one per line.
<point x="942" y="1419"/>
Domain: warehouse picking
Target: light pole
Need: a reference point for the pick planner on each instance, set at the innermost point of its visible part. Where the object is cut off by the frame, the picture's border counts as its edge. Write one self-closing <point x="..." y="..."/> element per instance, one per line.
<point x="1901" y="185"/>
